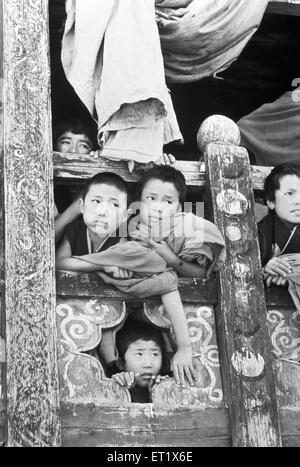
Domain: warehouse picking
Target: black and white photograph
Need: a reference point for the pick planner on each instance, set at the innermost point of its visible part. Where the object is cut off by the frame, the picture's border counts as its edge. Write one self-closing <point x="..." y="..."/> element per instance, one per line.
<point x="149" y="226"/>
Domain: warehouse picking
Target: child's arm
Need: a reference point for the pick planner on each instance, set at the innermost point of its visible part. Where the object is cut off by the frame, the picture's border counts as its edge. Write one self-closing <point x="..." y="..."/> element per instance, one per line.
<point x="182" y="362"/>
<point x="66" y="262"/>
<point x="69" y="215"/>
<point x="184" y="268"/>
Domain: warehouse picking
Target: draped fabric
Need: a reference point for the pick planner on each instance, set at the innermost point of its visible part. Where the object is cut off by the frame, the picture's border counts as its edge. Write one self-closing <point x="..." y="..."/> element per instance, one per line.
<point x="272" y="133"/>
<point x="112" y="57"/>
<point x="190" y="237"/>
<point x="202" y="37"/>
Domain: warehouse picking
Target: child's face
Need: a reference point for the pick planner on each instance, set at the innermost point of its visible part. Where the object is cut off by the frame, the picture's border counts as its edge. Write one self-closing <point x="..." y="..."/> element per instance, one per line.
<point x="104" y="209"/>
<point x="69" y="142"/>
<point x="145" y="358"/>
<point x="159" y="201"/>
<point x="287" y="199"/>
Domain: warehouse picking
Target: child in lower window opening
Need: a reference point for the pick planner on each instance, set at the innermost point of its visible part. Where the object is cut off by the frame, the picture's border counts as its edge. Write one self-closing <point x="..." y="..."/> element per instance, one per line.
<point x="279" y="231"/>
<point x="141" y="359"/>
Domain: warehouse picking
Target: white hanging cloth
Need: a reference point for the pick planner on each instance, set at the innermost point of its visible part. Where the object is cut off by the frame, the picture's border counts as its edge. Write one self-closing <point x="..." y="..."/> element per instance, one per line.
<point x="112" y="57"/>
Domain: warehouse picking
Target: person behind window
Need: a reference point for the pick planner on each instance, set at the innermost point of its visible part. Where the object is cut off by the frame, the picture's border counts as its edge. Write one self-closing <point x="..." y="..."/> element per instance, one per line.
<point x="78" y="137"/>
<point x="103" y="204"/>
<point x="142" y="359"/>
<point x="189" y="245"/>
<point x="279" y="231"/>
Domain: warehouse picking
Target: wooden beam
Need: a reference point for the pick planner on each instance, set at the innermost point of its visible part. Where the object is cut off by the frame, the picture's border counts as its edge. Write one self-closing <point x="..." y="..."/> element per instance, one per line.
<point x="139" y="425"/>
<point x="284" y="7"/>
<point x="244" y="343"/>
<point x="32" y="374"/>
<point x="90" y="285"/>
<point x="76" y="167"/>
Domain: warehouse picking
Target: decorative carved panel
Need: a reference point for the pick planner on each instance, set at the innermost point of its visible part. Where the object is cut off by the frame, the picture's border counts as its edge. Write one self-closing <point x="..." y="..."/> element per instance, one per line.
<point x="207" y="391"/>
<point x="284" y="330"/>
<point x="82" y="378"/>
<point x="32" y="372"/>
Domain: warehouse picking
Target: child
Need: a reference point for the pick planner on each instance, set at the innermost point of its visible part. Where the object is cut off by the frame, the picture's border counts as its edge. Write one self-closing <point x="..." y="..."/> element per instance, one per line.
<point x="279" y="231"/>
<point x="141" y="357"/>
<point x="76" y="137"/>
<point x="103" y="203"/>
<point x="198" y="246"/>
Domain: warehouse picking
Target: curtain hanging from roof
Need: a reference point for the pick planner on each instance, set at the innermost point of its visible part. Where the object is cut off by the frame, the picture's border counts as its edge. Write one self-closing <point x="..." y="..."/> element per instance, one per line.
<point x="202" y="37"/>
<point x="271" y="132"/>
<point x="112" y="57"/>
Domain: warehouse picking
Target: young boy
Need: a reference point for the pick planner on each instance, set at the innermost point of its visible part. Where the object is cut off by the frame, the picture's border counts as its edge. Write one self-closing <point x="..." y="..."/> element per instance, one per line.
<point x="279" y="231"/>
<point x="141" y="357"/>
<point x="103" y="204"/>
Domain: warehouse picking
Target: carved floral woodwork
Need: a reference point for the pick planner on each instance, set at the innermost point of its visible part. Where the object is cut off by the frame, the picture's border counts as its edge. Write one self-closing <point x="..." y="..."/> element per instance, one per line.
<point x="82" y="378"/>
<point x="284" y="329"/>
<point x="32" y="372"/>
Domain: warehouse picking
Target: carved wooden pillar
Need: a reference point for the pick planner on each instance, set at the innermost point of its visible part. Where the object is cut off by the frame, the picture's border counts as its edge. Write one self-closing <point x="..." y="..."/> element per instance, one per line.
<point x="32" y="376"/>
<point x="244" y="343"/>
<point x="2" y="322"/>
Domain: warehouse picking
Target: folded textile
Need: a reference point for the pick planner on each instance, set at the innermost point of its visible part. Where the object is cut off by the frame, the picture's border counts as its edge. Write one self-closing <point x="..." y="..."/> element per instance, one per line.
<point x="202" y="37"/>
<point x="112" y="57"/>
<point x="271" y="132"/>
<point x="189" y="237"/>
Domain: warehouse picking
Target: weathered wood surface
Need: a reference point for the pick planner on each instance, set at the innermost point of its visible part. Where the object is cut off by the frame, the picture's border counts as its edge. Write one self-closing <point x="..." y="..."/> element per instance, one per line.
<point x="2" y="308"/>
<point x="139" y="425"/>
<point x="244" y="346"/>
<point x="32" y="375"/>
<point x="193" y="290"/>
<point x="70" y="168"/>
<point x="284" y="331"/>
<point x="284" y="7"/>
<point x="207" y="391"/>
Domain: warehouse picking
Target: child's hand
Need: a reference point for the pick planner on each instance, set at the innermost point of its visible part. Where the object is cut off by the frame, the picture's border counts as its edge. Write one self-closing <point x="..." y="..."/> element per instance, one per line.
<point x="167" y="159"/>
<point x="182" y="367"/>
<point x="277" y="280"/>
<point x="118" y="273"/>
<point x="278" y="266"/>
<point x="157" y="379"/>
<point x="95" y="154"/>
<point x="126" y="379"/>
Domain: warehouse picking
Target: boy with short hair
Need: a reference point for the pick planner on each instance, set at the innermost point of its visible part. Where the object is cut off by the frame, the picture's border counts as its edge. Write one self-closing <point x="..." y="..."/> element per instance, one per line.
<point x="103" y="204"/>
<point x="279" y="231"/>
<point x="141" y="357"/>
<point x="75" y="136"/>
